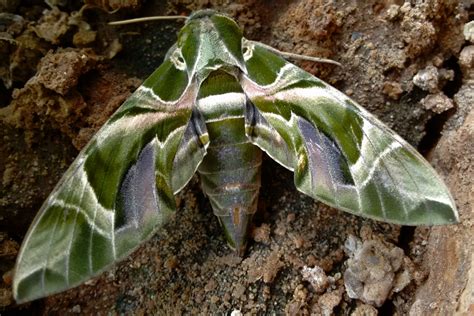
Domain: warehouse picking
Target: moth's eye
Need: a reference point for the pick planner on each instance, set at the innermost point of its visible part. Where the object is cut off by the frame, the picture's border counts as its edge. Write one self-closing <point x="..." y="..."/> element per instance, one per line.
<point x="178" y="60"/>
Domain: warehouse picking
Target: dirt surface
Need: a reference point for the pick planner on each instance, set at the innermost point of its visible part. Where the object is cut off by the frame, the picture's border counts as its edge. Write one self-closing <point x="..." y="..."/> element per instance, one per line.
<point x="64" y="72"/>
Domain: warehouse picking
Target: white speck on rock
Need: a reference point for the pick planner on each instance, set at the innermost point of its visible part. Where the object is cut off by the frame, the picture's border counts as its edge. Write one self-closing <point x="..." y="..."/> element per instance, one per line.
<point x="393" y="11"/>
<point x="466" y="61"/>
<point x="427" y="79"/>
<point x="351" y="245"/>
<point x="316" y="277"/>
<point x="236" y="312"/>
<point x="469" y="31"/>
<point x="76" y="309"/>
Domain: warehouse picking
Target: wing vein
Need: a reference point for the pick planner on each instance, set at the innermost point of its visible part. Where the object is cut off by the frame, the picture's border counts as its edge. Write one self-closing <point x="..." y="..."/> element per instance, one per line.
<point x="72" y="236"/>
<point x="46" y="263"/>
<point x="387" y="171"/>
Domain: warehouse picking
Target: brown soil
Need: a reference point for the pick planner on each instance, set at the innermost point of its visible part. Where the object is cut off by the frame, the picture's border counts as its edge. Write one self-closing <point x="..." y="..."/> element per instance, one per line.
<point x="64" y="74"/>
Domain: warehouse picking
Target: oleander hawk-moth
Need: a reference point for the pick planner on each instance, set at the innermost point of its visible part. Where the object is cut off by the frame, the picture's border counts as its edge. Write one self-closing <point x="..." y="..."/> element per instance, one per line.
<point x="217" y="101"/>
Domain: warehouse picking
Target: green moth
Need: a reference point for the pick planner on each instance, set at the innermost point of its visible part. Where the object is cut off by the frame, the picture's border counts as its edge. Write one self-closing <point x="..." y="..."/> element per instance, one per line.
<point x="217" y="101"/>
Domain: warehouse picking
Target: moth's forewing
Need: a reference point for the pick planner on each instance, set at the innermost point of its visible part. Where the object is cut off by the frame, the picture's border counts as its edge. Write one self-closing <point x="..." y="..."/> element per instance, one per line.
<point x="341" y="154"/>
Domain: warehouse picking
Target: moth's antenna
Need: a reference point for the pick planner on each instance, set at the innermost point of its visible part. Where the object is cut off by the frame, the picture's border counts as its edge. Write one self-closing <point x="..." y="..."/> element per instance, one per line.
<point x="148" y="19"/>
<point x="298" y="56"/>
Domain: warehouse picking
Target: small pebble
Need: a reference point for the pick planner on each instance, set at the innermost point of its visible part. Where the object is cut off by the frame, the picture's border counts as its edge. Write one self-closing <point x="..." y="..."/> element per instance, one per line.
<point x="392" y="89"/>
<point x="76" y="309"/>
<point x="437" y="103"/>
<point x="427" y="79"/>
<point x="316" y="277"/>
<point x="393" y="11"/>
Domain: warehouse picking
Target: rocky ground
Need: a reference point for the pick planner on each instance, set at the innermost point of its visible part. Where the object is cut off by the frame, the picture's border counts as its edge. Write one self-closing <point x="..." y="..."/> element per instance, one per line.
<point x="64" y="71"/>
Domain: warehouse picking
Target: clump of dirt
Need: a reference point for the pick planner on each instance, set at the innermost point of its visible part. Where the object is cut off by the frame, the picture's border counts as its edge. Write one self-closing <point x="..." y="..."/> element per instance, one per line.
<point x="374" y="270"/>
<point x="22" y="50"/>
<point x="48" y="98"/>
<point x="397" y="62"/>
<point x="53" y="99"/>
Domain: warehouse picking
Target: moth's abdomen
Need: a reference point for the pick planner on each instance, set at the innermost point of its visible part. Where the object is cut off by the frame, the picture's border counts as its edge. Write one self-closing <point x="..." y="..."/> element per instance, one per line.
<point x="230" y="171"/>
<point x="230" y="177"/>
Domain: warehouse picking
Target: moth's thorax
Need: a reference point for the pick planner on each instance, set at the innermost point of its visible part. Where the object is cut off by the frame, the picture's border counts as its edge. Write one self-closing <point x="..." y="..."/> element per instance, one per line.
<point x="220" y="97"/>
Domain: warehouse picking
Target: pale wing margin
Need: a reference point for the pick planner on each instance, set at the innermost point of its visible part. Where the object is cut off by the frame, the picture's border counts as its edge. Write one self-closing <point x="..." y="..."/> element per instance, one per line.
<point x="114" y="196"/>
<point x="340" y="153"/>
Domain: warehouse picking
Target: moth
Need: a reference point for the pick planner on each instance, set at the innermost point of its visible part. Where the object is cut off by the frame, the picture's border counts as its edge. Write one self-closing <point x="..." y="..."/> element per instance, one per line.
<point x="217" y="101"/>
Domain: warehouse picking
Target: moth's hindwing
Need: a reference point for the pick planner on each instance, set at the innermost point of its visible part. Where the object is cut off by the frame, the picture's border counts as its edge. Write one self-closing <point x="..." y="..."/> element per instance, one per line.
<point x="340" y="154"/>
<point x="118" y="191"/>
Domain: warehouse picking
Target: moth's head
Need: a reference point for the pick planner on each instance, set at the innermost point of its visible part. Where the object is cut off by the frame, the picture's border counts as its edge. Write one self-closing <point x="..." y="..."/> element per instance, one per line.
<point x="200" y="14"/>
<point x="209" y="41"/>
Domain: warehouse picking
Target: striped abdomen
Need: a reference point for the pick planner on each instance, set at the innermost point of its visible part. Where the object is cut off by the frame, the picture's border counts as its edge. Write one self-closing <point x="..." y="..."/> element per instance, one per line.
<point x="230" y="172"/>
